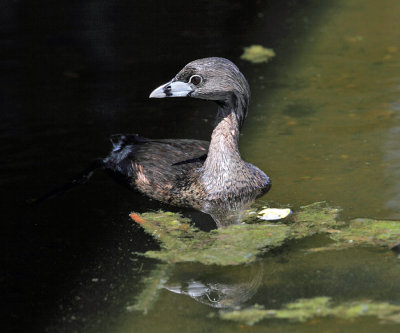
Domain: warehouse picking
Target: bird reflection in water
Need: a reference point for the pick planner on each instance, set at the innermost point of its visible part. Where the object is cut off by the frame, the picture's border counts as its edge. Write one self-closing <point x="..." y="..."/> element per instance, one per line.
<point x="224" y="287"/>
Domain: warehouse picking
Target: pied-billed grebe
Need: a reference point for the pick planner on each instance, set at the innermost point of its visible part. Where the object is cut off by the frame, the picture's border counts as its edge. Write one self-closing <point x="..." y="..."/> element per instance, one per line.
<point x="193" y="173"/>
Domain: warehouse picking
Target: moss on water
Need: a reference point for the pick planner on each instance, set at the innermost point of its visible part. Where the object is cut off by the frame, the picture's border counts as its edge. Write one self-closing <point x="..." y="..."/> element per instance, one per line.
<point x="364" y="232"/>
<point x="306" y="309"/>
<point x="315" y="218"/>
<point x="180" y="241"/>
<point x="369" y="232"/>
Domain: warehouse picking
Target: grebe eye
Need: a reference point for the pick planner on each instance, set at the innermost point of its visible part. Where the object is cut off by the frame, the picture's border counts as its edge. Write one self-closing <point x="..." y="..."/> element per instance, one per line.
<point x="195" y="79"/>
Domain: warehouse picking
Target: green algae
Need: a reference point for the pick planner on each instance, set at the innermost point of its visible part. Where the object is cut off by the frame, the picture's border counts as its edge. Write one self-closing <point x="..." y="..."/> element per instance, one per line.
<point x="257" y="54"/>
<point x="369" y="232"/>
<point x="364" y="232"/>
<point x="305" y="309"/>
<point x="180" y="241"/>
<point x="315" y="218"/>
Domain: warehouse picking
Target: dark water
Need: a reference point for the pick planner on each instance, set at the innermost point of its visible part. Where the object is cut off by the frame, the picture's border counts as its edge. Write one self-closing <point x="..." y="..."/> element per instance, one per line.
<point x="323" y="124"/>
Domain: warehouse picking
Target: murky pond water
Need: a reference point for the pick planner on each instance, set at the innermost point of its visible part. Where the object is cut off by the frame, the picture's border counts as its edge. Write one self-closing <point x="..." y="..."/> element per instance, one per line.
<point x="323" y="124"/>
<point x="331" y="127"/>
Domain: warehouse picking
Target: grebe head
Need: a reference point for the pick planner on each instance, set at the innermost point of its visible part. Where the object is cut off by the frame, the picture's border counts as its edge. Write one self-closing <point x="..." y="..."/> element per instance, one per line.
<point x="216" y="79"/>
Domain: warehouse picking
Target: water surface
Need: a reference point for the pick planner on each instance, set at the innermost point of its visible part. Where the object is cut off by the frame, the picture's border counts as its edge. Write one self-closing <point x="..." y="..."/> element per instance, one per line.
<point x="323" y="124"/>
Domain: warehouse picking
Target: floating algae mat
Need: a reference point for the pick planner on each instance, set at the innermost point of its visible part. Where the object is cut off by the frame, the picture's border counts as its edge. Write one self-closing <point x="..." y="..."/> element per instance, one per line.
<point x="306" y="309"/>
<point x="180" y="241"/>
<point x="361" y="232"/>
<point x="369" y="232"/>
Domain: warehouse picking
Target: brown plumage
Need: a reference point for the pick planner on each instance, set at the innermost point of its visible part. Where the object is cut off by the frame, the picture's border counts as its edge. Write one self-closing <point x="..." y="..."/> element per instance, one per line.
<point x="208" y="176"/>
